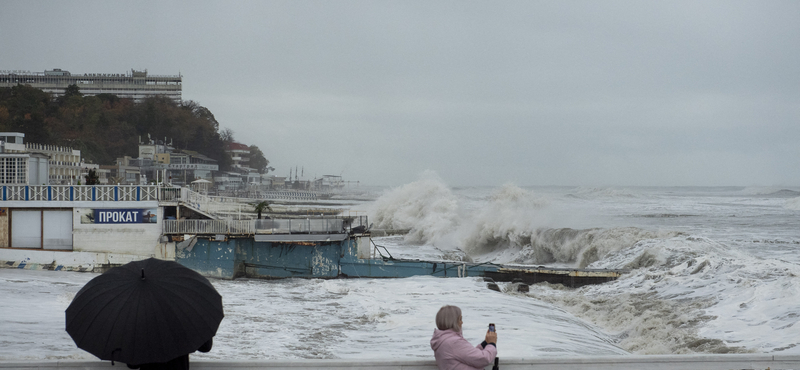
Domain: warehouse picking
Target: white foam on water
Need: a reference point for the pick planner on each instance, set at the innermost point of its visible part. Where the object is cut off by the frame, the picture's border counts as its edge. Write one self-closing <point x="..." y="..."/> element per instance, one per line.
<point x="690" y="295"/>
<point x="314" y="319"/>
<point x="32" y="314"/>
<point x="712" y="270"/>
<point x="793" y="204"/>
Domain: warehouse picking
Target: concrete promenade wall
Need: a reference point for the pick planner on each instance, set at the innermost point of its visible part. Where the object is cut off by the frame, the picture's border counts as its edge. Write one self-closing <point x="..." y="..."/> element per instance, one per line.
<point x="666" y="362"/>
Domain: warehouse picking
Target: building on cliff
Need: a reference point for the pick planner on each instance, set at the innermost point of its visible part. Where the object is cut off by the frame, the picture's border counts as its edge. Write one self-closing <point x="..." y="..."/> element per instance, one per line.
<point x="136" y="85"/>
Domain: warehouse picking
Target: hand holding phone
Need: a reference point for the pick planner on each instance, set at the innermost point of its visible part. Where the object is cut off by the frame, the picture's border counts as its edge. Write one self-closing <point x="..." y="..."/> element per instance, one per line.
<point x="491" y="335"/>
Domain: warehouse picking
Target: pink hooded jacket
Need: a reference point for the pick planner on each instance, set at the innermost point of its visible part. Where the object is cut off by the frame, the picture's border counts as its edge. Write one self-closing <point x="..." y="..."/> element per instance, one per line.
<point x="453" y="352"/>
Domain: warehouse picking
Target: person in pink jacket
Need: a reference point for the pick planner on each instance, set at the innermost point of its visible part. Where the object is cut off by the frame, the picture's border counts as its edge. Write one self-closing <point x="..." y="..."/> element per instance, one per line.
<point x="452" y="351"/>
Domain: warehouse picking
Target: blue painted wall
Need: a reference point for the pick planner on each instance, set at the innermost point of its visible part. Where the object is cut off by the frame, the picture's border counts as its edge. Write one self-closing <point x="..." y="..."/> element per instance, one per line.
<point x="246" y="257"/>
<point x="210" y="258"/>
<point x="282" y="260"/>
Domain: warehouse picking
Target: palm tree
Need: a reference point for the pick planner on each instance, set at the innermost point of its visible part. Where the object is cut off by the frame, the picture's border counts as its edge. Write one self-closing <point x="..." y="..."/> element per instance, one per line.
<point x="260" y="207"/>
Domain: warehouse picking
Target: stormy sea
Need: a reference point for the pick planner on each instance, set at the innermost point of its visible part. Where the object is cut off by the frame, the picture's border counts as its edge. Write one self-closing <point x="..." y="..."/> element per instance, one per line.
<point x="711" y="270"/>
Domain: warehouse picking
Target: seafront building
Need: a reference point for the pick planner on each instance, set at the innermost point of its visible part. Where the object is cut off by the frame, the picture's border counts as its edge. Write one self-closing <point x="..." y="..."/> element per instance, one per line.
<point x="161" y="162"/>
<point x="66" y="165"/>
<point x="158" y="162"/>
<point x="37" y="164"/>
<point x="135" y="85"/>
<point x="17" y="167"/>
<point x="240" y="154"/>
<point x="125" y="171"/>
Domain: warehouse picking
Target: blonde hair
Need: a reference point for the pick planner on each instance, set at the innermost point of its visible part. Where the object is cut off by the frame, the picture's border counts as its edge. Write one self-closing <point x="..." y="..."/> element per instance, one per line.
<point x="448" y="317"/>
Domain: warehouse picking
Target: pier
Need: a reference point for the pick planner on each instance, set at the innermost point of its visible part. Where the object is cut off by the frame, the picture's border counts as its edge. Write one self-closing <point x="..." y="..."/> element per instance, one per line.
<point x="93" y="228"/>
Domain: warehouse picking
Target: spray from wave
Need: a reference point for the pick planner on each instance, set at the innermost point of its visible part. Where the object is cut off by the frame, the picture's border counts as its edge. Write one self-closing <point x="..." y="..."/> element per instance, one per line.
<point x="512" y="225"/>
<point x="426" y="207"/>
<point x="683" y="293"/>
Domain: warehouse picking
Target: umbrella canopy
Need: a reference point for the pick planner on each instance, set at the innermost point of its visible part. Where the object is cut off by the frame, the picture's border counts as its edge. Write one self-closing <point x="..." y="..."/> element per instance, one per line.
<point x="144" y="312"/>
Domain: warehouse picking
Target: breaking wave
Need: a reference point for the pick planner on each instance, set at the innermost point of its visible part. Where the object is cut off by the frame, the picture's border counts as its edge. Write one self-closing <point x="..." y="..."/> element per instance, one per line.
<point x="793" y="204"/>
<point x="785" y="193"/>
<point x="771" y="191"/>
<point x="426" y="207"/>
<point x="683" y="293"/>
<point x="510" y="226"/>
<point x="596" y="193"/>
<point x="582" y="247"/>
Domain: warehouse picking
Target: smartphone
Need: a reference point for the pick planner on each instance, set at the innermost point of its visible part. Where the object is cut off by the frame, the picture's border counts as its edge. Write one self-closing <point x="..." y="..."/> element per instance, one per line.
<point x="491" y="328"/>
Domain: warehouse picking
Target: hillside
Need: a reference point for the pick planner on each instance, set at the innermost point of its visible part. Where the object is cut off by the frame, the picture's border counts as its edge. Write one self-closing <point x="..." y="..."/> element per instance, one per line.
<point x="105" y="127"/>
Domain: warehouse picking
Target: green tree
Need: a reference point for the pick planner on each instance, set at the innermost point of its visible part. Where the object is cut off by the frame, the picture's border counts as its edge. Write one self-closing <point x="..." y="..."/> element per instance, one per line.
<point x="28" y="108"/>
<point x="72" y="90"/>
<point x="105" y="127"/>
<point x="92" y="178"/>
<point x="257" y="160"/>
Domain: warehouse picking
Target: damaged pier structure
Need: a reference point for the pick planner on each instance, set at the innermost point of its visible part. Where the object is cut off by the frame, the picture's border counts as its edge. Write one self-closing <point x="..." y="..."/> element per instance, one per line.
<point x="331" y="247"/>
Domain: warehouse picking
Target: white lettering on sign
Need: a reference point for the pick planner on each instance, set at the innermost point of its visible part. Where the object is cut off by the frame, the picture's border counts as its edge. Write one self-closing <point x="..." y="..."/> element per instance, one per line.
<point x="118" y="216"/>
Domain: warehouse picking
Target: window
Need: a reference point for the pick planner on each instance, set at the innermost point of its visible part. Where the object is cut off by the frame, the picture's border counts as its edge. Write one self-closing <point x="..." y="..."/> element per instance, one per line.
<point x="13" y="170"/>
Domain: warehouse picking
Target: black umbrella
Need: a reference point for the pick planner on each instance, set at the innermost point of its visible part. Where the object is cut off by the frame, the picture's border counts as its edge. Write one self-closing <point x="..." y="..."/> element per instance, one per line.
<point x="144" y="312"/>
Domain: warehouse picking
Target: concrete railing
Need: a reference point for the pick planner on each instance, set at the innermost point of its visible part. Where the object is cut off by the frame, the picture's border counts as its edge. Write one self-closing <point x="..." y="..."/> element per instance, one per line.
<point x="671" y="362"/>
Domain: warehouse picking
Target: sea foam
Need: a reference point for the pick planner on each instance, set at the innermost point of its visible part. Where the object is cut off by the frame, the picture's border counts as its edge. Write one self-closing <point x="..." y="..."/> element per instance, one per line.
<point x="793" y="204"/>
<point x="693" y="283"/>
<point x="689" y="294"/>
<point x="512" y="225"/>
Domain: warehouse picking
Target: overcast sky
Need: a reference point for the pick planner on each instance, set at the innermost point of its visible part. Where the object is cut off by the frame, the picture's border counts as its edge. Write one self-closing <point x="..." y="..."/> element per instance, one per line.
<point x="586" y="93"/>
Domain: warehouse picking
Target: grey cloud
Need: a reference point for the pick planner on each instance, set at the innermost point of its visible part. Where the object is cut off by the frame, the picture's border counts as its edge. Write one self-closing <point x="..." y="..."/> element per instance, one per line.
<point x="621" y="92"/>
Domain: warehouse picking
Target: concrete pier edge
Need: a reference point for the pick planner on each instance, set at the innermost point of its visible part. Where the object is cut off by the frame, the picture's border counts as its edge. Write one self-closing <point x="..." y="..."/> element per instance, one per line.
<point x="654" y="362"/>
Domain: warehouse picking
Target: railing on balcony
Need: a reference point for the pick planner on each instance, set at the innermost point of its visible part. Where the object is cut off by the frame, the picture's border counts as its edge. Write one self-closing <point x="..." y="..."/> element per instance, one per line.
<point x="209" y="227"/>
<point x="319" y="225"/>
<point x="101" y="193"/>
<point x="300" y="226"/>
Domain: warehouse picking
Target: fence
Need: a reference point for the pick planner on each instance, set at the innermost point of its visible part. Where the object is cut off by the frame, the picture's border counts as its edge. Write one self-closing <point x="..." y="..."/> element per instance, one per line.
<point x="301" y="226"/>
<point x="209" y="227"/>
<point x="78" y="193"/>
<point x="291" y="195"/>
<point x="236" y="206"/>
<point x="216" y="205"/>
<point x="121" y="193"/>
<point x="318" y="225"/>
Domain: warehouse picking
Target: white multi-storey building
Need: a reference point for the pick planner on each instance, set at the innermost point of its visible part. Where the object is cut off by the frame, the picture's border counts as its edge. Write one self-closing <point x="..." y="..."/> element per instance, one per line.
<point x="66" y="165"/>
<point x="136" y="85"/>
<point x="37" y="164"/>
<point x="17" y="165"/>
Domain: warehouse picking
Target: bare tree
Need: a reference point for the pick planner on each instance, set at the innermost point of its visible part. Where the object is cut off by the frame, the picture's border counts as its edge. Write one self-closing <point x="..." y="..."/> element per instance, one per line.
<point x="226" y="135"/>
